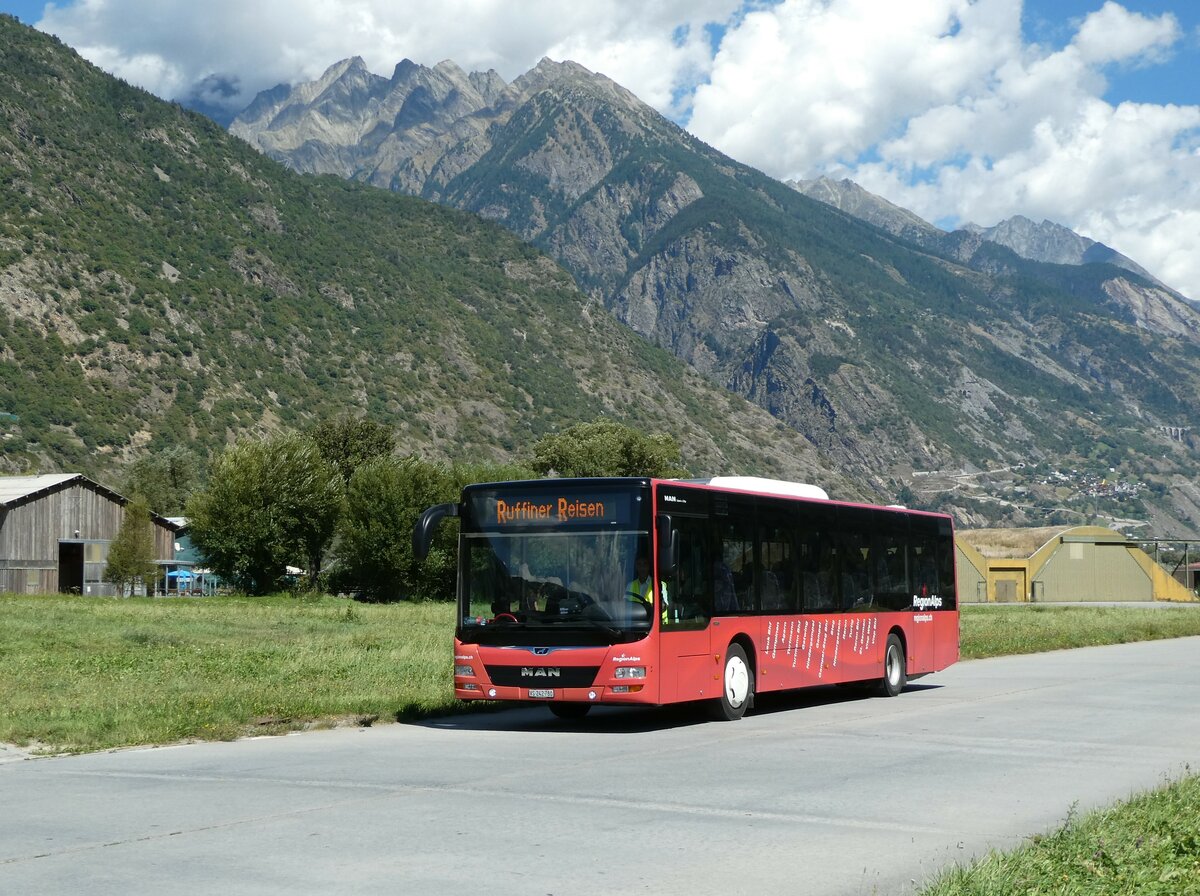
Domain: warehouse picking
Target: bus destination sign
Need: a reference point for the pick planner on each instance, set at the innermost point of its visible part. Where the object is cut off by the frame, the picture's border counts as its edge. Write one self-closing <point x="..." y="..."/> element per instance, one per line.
<point x="522" y="509"/>
<point x="557" y="510"/>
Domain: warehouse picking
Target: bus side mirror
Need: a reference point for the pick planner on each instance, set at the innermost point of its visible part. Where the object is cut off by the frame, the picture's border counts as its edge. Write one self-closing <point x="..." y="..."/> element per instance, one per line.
<point x="426" y="525"/>
<point x="668" y="546"/>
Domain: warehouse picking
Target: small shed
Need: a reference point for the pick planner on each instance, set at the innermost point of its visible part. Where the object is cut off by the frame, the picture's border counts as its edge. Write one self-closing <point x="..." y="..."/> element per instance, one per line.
<point x="55" y="531"/>
<point x="1078" y="564"/>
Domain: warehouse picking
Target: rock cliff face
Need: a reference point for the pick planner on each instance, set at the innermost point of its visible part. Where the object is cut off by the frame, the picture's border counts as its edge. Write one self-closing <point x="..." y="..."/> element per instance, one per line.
<point x="884" y="341"/>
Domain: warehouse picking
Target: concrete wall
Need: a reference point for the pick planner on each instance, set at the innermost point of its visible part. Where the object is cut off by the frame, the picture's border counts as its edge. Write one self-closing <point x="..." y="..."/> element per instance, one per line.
<point x="970" y="572"/>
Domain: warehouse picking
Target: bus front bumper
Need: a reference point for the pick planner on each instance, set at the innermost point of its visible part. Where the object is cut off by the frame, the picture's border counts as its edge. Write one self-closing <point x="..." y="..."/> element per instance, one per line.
<point x="631" y="693"/>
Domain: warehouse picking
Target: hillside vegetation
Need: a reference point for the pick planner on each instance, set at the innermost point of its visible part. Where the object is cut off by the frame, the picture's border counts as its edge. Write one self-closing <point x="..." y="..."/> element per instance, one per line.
<point x="162" y="283"/>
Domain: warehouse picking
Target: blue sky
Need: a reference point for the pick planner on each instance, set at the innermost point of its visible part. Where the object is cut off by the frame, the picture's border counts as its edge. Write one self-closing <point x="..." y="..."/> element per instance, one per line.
<point x="1085" y="112"/>
<point x="1176" y="81"/>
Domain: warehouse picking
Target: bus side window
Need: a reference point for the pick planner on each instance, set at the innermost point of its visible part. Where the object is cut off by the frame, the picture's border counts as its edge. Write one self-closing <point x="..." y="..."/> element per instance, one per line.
<point x="777" y="589"/>
<point x="891" y="572"/>
<point x="854" y="570"/>
<point x="818" y="573"/>
<point x="690" y="590"/>
<point x="733" y="571"/>
<point x="944" y="559"/>
<point x="925" y="573"/>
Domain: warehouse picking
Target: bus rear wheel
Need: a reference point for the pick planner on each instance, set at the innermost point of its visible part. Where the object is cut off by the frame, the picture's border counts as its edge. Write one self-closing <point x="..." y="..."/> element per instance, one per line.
<point x="569" y="710"/>
<point x="737" y="687"/>
<point x="894" y="675"/>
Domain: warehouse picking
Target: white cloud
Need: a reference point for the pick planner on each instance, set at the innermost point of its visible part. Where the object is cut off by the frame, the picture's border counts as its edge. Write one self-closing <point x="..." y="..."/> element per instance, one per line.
<point x="942" y="106"/>
<point x="945" y="109"/>
<point x="1114" y="34"/>
<point x="657" y="50"/>
<point x="810" y="82"/>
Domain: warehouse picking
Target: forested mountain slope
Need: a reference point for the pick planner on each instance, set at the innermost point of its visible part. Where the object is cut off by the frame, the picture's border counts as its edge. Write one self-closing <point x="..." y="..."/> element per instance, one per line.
<point x="163" y="283"/>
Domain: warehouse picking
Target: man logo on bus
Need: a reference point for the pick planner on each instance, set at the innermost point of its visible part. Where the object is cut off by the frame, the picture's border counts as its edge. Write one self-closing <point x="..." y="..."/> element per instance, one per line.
<point x="540" y="672"/>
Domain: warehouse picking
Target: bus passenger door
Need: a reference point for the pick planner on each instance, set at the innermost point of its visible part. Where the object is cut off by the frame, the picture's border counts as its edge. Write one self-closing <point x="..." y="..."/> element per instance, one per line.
<point x="684" y="646"/>
<point x="925" y="601"/>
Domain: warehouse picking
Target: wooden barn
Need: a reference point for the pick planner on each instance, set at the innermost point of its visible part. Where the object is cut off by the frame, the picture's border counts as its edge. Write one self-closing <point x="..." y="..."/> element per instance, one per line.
<point x="55" y="531"/>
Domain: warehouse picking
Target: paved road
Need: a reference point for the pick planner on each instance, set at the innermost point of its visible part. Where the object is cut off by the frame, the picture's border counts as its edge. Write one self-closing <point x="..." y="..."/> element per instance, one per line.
<point x="818" y="794"/>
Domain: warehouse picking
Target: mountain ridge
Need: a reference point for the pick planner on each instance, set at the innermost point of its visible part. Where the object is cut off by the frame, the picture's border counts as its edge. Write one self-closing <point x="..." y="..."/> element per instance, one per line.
<point x="1046" y="242"/>
<point x="890" y="354"/>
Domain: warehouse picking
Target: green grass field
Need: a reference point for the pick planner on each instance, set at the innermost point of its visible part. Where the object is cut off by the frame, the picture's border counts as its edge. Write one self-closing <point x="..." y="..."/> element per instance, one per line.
<point x="85" y="673"/>
<point x="1008" y="630"/>
<point x="92" y="673"/>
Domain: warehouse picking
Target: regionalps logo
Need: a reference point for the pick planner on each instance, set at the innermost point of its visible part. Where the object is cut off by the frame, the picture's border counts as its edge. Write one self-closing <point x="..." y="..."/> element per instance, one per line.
<point x="933" y="602"/>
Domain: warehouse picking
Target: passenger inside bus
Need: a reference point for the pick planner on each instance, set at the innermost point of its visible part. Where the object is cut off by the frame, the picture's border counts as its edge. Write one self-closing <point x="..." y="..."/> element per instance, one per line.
<point x="724" y="596"/>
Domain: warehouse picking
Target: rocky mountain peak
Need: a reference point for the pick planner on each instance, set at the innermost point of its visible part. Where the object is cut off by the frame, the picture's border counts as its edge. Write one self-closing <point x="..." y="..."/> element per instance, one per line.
<point x="559" y="76"/>
<point x="404" y="69"/>
<point x="1054" y="243"/>
<point x="341" y="79"/>
<point x="489" y="85"/>
<point x="1047" y="242"/>
<point x="546" y="72"/>
<point x="450" y="70"/>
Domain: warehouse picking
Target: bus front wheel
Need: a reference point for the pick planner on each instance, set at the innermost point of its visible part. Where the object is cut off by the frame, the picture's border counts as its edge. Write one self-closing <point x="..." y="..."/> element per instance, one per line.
<point x="737" y="687"/>
<point x="894" y="674"/>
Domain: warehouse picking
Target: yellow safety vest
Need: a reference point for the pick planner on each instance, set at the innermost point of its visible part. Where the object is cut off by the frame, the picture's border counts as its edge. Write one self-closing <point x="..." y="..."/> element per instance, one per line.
<point x="638" y="589"/>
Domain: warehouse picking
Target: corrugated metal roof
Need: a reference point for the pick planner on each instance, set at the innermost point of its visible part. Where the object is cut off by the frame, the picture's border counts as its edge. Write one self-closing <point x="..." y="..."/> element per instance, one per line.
<point x="16" y="488"/>
<point x="19" y="488"/>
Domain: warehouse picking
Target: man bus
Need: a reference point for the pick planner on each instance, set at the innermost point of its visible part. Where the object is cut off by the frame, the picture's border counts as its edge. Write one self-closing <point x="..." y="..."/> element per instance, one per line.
<point x="756" y="586"/>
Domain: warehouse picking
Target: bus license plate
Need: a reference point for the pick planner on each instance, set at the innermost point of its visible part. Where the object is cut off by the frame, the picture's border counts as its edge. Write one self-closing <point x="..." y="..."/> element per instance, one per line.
<point x="543" y="693"/>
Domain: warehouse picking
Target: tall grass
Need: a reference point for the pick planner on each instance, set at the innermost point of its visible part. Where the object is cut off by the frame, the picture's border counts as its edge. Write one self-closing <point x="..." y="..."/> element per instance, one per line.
<point x="1149" y="846"/>
<point x="1004" y="631"/>
<point x="91" y="673"/>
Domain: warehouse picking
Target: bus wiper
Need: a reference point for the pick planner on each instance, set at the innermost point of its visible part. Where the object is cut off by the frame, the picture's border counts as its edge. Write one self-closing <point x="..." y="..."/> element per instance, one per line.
<point x="607" y="629"/>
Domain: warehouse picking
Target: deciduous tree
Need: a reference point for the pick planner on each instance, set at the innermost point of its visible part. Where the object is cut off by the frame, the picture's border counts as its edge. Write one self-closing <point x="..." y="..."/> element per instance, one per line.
<point x="383" y="501"/>
<point x="607" y="448"/>
<point x="268" y="504"/>
<point x="131" y="553"/>
<point x="348" y="443"/>
<point x="166" y="479"/>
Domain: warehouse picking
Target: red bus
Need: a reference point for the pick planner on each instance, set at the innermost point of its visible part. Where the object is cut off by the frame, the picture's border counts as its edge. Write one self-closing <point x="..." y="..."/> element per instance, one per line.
<point x="573" y="592"/>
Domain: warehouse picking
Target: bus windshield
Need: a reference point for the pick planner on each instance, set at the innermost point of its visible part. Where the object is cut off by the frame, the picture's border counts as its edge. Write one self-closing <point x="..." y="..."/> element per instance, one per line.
<point x="555" y="567"/>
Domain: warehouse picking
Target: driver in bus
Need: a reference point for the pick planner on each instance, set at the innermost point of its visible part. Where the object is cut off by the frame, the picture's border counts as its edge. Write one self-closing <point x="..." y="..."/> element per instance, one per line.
<point x="641" y="587"/>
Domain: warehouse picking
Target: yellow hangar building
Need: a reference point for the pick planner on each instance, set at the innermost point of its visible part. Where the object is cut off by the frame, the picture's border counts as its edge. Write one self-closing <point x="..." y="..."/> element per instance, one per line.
<point x="1083" y="563"/>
